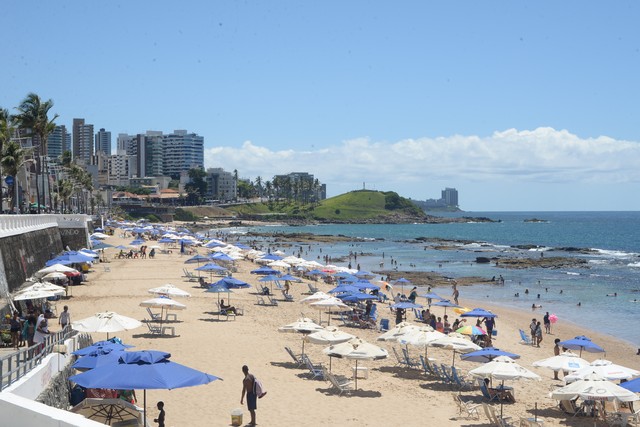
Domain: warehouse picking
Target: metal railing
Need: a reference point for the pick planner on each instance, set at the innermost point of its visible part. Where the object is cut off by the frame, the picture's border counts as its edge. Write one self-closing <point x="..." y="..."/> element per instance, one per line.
<point x="16" y="365"/>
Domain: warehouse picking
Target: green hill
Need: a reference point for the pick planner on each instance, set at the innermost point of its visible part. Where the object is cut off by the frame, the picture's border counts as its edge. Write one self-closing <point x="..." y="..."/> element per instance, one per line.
<point x="355" y="206"/>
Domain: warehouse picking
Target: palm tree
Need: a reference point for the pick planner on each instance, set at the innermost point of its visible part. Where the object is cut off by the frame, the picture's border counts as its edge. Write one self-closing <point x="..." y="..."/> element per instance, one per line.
<point x="6" y="131"/>
<point x="268" y="187"/>
<point x="12" y="160"/>
<point x="259" y="186"/>
<point x="33" y="117"/>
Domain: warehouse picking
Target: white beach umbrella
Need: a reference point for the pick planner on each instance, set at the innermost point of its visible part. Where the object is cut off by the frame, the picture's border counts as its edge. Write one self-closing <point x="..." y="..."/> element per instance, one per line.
<point x="356" y="349"/>
<point x="329" y="305"/>
<point x="456" y="342"/>
<point x="279" y="264"/>
<point x="330" y="335"/>
<point x="566" y="361"/>
<point x="594" y="387"/>
<point x="303" y="325"/>
<point x="421" y="338"/>
<point x="169" y="290"/>
<point x="54" y="276"/>
<point x="399" y="331"/>
<point x="604" y="368"/>
<point x="164" y="304"/>
<point x="44" y="286"/>
<point x="34" y="294"/>
<point x="503" y="368"/>
<point x="99" y="236"/>
<point x="55" y="268"/>
<point x="318" y="296"/>
<point x="106" y="322"/>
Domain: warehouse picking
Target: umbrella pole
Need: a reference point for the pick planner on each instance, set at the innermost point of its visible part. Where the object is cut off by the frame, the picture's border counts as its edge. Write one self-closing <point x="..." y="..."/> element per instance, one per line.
<point x="355" y="374"/>
<point x="144" y="412"/>
<point x="501" y="400"/>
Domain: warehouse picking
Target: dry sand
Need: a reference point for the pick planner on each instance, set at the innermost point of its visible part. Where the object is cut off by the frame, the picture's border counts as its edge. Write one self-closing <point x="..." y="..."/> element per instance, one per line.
<point x="390" y="396"/>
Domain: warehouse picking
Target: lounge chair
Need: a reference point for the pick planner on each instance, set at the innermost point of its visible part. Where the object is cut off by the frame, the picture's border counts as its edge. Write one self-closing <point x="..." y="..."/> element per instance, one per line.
<point x="190" y="277"/>
<point x="313" y="288"/>
<point x="524" y="338"/>
<point x="400" y="359"/>
<point x="426" y="366"/>
<point x="412" y="363"/>
<point x="297" y="359"/>
<point x="467" y="408"/>
<point x="497" y="419"/>
<point x="341" y="386"/>
<point x="157" y="330"/>
<point x="418" y="314"/>
<point x="225" y="312"/>
<point x="272" y="300"/>
<point x="459" y="380"/>
<point x="384" y="325"/>
<point x="446" y="373"/>
<point x="569" y="407"/>
<point x="315" y="371"/>
<point x="347" y="321"/>
<point x="487" y="395"/>
<point x="287" y="297"/>
<point x="439" y="375"/>
<point x="155" y="317"/>
<point x="260" y="300"/>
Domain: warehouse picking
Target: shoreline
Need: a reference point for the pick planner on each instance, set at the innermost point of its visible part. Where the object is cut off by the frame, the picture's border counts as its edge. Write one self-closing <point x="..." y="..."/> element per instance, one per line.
<point x="390" y="396"/>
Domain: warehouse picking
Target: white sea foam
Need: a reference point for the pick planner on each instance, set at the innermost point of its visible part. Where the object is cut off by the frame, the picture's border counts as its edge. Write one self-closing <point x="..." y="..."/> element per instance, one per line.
<point x="571" y="273"/>
<point x="634" y="264"/>
<point x="614" y="254"/>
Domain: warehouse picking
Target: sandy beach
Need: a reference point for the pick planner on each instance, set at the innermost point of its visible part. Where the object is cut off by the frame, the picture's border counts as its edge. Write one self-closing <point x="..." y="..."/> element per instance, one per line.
<point x="390" y="396"/>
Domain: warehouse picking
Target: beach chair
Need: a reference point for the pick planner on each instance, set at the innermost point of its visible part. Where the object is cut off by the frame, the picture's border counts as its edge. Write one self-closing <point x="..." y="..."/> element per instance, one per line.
<point x="411" y="363"/>
<point x="418" y="315"/>
<point x="347" y="321"/>
<point x="446" y="373"/>
<point x="498" y="420"/>
<point x="287" y="297"/>
<point x="384" y="325"/>
<point x="343" y="386"/>
<point x="426" y="366"/>
<point x="569" y="407"/>
<point x="272" y="300"/>
<point x="486" y="394"/>
<point x="524" y="338"/>
<point x="400" y="359"/>
<point x="315" y="371"/>
<point x="260" y="300"/>
<point x="459" y="380"/>
<point x="155" y="317"/>
<point x="467" y="408"/>
<point x="313" y="288"/>
<point x="225" y="312"/>
<point x="297" y="359"/>
<point x="157" y="330"/>
<point x="190" y="277"/>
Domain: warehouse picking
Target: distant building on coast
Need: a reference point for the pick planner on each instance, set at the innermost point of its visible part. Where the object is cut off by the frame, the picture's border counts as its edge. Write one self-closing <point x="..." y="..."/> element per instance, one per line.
<point x="447" y="201"/>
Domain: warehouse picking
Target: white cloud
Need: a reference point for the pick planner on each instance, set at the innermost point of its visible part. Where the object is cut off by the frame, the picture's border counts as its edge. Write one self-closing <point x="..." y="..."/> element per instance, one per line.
<point x="540" y="156"/>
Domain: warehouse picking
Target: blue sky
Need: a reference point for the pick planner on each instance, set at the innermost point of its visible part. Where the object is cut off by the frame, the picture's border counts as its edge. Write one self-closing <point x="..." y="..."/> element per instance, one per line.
<point x="519" y="105"/>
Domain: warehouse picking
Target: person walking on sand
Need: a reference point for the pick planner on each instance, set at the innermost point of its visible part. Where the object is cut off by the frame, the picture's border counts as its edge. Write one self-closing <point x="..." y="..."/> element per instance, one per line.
<point x="65" y="317"/>
<point x="455" y="294"/>
<point x="248" y="388"/>
<point x="547" y="323"/>
<point x="556" y="352"/>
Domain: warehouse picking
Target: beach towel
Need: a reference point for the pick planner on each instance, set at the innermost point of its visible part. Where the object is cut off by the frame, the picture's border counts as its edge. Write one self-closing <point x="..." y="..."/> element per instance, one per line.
<point x="258" y="388"/>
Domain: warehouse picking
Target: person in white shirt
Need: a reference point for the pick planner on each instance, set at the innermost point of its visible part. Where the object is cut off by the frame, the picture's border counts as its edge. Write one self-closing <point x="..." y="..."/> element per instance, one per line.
<point x="65" y="317"/>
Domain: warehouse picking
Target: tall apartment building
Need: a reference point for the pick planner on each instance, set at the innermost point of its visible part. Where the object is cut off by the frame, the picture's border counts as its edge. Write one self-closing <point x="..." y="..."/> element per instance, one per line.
<point x="150" y="154"/>
<point x="221" y="185"/>
<point x="182" y="151"/>
<point x="450" y="196"/>
<point x="82" y="140"/>
<point x="103" y="142"/>
<point x="58" y="142"/>
<point x="121" y="169"/>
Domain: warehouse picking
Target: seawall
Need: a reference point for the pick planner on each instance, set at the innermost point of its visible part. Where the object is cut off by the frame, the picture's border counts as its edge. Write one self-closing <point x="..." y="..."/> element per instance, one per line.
<point x="27" y="242"/>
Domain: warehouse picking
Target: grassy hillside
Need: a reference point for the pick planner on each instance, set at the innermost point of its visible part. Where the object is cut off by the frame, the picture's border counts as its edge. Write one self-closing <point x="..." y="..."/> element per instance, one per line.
<point x="362" y="205"/>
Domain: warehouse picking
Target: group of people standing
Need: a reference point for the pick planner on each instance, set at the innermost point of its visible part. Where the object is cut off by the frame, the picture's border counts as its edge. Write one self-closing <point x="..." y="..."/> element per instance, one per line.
<point x="33" y="328"/>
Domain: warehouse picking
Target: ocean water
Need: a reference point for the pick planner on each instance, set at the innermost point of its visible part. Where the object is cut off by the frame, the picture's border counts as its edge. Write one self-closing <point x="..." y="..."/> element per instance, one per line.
<point x="613" y="268"/>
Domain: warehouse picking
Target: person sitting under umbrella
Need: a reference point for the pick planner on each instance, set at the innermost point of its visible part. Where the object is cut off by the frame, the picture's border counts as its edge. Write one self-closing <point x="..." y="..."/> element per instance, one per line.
<point x="227" y="308"/>
<point x="503" y="394"/>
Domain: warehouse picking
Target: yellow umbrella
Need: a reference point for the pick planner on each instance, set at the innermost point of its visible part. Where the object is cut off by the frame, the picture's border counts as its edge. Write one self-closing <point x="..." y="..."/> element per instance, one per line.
<point x="461" y="310"/>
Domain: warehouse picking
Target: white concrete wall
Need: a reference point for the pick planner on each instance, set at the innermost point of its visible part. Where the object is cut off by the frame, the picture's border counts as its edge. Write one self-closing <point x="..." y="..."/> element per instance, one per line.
<point x="21" y="412"/>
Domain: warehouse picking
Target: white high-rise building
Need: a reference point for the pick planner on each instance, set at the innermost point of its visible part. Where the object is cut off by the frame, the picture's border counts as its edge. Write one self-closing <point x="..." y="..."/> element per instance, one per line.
<point x="182" y="151"/>
<point x="120" y="169"/>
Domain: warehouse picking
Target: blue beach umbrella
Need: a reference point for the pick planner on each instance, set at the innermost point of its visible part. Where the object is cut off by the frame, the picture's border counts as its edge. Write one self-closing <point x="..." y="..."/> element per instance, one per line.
<point x="242" y="246"/>
<point x="430" y="296"/>
<point x="264" y="271"/>
<point x="316" y="273"/>
<point x="402" y="281"/>
<point x="196" y="258"/>
<point x="365" y="284"/>
<point x="219" y="256"/>
<point x="581" y="343"/>
<point x="143" y="370"/>
<point x="59" y="260"/>
<point x="344" y="289"/>
<point x="445" y="303"/>
<point x="101" y="356"/>
<point x="218" y="288"/>
<point x="355" y="297"/>
<point x="166" y="240"/>
<point x="137" y="242"/>
<point x="271" y="257"/>
<point x="405" y="305"/>
<point x="479" y="312"/>
<point x="633" y="385"/>
<point x="290" y="278"/>
<point x="364" y="275"/>
<point x="348" y="279"/>
<point x="210" y="266"/>
<point x="487" y="355"/>
<point x="101" y="346"/>
<point x="232" y="282"/>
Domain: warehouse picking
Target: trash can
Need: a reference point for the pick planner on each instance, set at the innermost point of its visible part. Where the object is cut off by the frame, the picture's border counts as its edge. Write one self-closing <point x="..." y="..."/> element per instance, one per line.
<point x="236" y="417"/>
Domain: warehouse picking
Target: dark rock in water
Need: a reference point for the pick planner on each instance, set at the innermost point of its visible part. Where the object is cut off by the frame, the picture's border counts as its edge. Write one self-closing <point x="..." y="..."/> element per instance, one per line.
<point x="483" y="260"/>
<point x="535" y="220"/>
<point x="526" y="247"/>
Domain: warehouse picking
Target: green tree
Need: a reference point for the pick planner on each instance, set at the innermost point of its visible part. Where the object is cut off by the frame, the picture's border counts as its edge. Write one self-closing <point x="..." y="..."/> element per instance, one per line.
<point x="12" y="160"/>
<point x="197" y="188"/>
<point x="6" y="132"/>
<point x="33" y="117"/>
